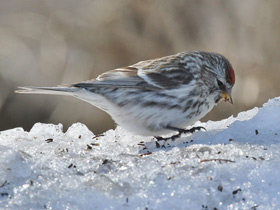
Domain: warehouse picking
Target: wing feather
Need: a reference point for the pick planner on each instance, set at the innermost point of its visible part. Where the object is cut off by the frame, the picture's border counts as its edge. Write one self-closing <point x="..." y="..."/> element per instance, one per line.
<point x="163" y="73"/>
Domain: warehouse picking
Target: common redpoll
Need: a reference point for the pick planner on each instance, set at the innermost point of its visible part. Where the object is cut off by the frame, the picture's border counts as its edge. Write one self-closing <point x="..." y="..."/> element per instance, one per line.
<point x="158" y="96"/>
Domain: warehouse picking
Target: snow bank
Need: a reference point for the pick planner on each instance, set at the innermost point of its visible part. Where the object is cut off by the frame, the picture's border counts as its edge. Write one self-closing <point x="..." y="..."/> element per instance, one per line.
<point x="235" y="164"/>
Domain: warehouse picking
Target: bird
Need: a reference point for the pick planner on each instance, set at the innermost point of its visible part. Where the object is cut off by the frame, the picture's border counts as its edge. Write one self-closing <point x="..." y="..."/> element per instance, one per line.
<point x="159" y="96"/>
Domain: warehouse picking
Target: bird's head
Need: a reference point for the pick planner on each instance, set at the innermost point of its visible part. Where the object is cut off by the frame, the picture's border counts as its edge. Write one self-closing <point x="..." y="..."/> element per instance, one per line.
<point x="219" y="75"/>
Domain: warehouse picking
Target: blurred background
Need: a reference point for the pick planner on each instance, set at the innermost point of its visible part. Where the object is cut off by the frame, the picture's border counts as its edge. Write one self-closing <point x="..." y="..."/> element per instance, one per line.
<point x="52" y="42"/>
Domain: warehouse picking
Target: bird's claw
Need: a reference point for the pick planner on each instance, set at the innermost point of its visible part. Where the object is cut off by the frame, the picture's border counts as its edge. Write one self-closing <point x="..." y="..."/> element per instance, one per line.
<point x="184" y="131"/>
<point x="194" y="129"/>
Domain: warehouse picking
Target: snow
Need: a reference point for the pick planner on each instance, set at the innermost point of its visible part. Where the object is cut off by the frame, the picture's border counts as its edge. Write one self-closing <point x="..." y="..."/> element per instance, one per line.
<point x="235" y="164"/>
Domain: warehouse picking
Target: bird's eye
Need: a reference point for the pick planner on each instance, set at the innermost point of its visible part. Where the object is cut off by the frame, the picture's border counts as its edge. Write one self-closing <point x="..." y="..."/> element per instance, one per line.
<point x="220" y="83"/>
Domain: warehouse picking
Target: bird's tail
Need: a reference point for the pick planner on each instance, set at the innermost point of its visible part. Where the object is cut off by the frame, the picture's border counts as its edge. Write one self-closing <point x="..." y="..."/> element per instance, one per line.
<point x="47" y="90"/>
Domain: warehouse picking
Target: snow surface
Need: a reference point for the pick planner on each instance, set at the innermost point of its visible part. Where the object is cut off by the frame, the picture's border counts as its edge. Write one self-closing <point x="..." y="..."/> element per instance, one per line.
<point x="235" y="164"/>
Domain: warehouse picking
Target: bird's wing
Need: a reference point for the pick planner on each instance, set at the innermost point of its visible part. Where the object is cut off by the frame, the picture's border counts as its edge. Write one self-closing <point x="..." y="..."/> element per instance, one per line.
<point x="163" y="73"/>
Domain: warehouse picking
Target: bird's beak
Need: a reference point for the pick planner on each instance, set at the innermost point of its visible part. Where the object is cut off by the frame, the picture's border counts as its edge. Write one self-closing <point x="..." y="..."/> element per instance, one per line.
<point x="227" y="97"/>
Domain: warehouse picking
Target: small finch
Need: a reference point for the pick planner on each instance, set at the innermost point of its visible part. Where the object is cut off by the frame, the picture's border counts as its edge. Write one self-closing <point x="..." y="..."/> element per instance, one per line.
<point x="159" y="96"/>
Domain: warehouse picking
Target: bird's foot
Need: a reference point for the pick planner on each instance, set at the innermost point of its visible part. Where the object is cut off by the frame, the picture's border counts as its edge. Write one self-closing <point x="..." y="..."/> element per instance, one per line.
<point x="180" y="132"/>
<point x="192" y="130"/>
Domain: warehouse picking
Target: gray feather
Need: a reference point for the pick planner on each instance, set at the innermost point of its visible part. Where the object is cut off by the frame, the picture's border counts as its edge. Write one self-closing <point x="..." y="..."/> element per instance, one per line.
<point x="47" y="90"/>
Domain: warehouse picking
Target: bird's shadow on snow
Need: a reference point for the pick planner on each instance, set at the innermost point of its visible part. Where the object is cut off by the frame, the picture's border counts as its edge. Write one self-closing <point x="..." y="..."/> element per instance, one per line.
<point x="259" y="130"/>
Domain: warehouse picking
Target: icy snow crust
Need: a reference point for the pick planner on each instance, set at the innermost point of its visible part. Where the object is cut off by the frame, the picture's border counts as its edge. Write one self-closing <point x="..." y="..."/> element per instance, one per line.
<point x="235" y="164"/>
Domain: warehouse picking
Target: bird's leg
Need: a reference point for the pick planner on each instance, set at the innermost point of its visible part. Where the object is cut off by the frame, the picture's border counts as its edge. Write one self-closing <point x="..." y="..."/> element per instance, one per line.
<point x="180" y="131"/>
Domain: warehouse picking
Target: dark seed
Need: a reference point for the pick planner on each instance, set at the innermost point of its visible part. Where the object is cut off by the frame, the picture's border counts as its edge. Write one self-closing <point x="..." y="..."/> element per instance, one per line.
<point x="105" y="161"/>
<point x="94" y="144"/>
<point x="236" y="191"/>
<point x="4" y="194"/>
<point x="49" y="140"/>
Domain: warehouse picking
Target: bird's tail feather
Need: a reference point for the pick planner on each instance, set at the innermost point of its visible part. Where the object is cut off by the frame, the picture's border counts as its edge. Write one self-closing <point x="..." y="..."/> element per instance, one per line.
<point x="47" y="90"/>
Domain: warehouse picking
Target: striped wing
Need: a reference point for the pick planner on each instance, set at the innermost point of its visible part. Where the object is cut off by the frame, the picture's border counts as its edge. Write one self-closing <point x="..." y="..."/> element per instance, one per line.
<point x="164" y="73"/>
